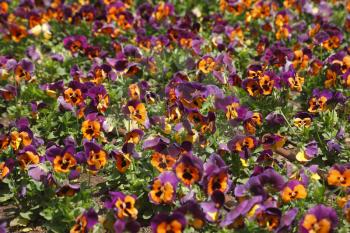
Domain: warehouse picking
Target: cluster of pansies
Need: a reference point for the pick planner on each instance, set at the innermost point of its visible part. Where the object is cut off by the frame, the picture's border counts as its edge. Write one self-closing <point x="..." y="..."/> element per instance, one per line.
<point x="175" y="116"/>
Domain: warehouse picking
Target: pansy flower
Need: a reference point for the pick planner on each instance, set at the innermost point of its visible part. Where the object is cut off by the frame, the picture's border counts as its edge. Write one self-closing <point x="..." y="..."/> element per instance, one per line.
<point x="68" y="190"/>
<point x="293" y="190"/>
<point x="212" y="208"/>
<point x="193" y="213"/>
<point x="8" y="92"/>
<point x="339" y="175"/>
<point x="99" y="98"/>
<point x="251" y="123"/>
<point x="235" y="218"/>
<point x="216" y="175"/>
<point x="85" y="221"/>
<point x="243" y="145"/>
<point x="134" y="136"/>
<point x="268" y="217"/>
<point x="123" y="157"/>
<point x="302" y="119"/>
<point x="272" y="141"/>
<point x="91" y="129"/>
<point x="17" y="32"/>
<point x="95" y="156"/>
<point x="114" y="9"/>
<point x="318" y="101"/>
<point x="301" y="58"/>
<point x="265" y="181"/>
<point x="206" y="64"/>
<point x="294" y="80"/>
<point x="21" y="139"/>
<point x="163" y="188"/>
<point x="62" y="159"/>
<point x="4" y="6"/>
<point x="320" y="218"/>
<point x="73" y="95"/>
<point x="162" y="10"/>
<point x="137" y="111"/>
<point x="162" y="162"/>
<point x="75" y="43"/>
<point x="174" y="223"/>
<point x="123" y="205"/>
<point x="189" y="169"/>
<point x="230" y="105"/>
<point x="23" y="70"/>
<point x="6" y="168"/>
<point x="28" y="155"/>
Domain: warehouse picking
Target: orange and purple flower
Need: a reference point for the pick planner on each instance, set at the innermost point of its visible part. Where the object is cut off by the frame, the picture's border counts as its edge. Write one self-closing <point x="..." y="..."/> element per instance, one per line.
<point x="174" y="223"/>
<point x="320" y="218"/>
<point x="189" y="169"/>
<point x="163" y="188"/>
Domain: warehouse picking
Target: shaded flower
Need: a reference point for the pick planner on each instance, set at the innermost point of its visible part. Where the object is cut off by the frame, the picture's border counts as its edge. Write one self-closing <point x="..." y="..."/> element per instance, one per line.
<point x="162" y="222"/>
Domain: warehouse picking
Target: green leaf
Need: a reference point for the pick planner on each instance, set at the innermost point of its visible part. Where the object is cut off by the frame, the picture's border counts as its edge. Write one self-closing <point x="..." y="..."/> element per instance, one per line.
<point x="6" y="197"/>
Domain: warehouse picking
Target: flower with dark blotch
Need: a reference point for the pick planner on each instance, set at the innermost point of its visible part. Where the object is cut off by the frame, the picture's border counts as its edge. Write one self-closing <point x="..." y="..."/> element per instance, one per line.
<point x="162" y="162"/>
<point x="68" y="190"/>
<point x="251" y="123"/>
<point x="243" y="145"/>
<point x="293" y="190"/>
<point x="339" y="175"/>
<point x="303" y="119"/>
<point x="162" y="11"/>
<point x="73" y="96"/>
<point x="99" y="98"/>
<point x="91" y="128"/>
<point x="215" y="175"/>
<point x="163" y="188"/>
<point x="206" y="64"/>
<point x="134" y="136"/>
<point x="189" y="169"/>
<point x="318" y="101"/>
<point x="268" y="217"/>
<point x="4" y="6"/>
<point x="123" y="157"/>
<point x="137" y="111"/>
<point x="301" y="58"/>
<point x="293" y="80"/>
<point x="174" y="223"/>
<point x="95" y="156"/>
<point x="75" y="43"/>
<point x="272" y="141"/>
<point x="17" y="32"/>
<point x="123" y="205"/>
<point x="320" y="218"/>
<point x="63" y="159"/>
<point x="23" y="70"/>
<point x="27" y="156"/>
<point x="85" y="221"/>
